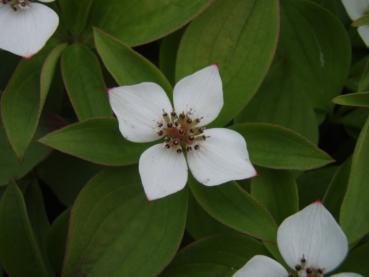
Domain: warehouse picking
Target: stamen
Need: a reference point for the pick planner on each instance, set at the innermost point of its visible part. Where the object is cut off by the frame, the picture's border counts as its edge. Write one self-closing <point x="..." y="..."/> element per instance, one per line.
<point x="180" y="131"/>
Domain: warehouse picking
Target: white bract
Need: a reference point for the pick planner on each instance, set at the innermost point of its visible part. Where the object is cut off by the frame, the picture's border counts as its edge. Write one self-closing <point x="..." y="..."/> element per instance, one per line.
<point x="357" y="9"/>
<point x="26" y="26"/>
<point x="214" y="156"/>
<point x="311" y="243"/>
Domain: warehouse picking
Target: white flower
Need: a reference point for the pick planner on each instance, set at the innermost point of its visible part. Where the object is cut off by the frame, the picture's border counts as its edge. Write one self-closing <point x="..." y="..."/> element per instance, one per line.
<point x="214" y="156"/>
<point x="311" y="243"/>
<point x="356" y="9"/>
<point x="25" y="26"/>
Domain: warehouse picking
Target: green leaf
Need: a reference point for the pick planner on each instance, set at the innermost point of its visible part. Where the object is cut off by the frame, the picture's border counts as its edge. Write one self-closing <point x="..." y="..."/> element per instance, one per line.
<point x="235" y="208"/>
<point x="357" y="260"/>
<point x="56" y="239"/>
<point x="277" y="147"/>
<point x="144" y="21"/>
<point x="10" y="166"/>
<point x="309" y="69"/>
<point x="168" y="54"/>
<point x="358" y="99"/>
<point x="48" y="71"/>
<point x="240" y="36"/>
<point x="75" y="14"/>
<point x="66" y="175"/>
<point x="355" y="209"/>
<point x="8" y="64"/>
<point x="127" y="66"/>
<point x="219" y="256"/>
<point x="336" y="190"/>
<point x="200" y="224"/>
<point x="24" y="97"/>
<point x="277" y="191"/>
<point x="19" y="252"/>
<point x="143" y="236"/>
<point x="84" y="82"/>
<point x="96" y="140"/>
<point x="37" y="214"/>
<point x="314" y="183"/>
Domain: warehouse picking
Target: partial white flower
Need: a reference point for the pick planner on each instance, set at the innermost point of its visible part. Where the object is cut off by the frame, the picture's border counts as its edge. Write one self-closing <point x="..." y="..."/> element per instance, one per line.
<point x="25" y="26"/>
<point x="311" y="243"/>
<point x="356" y="9"/>
<point x="214" y="156"/>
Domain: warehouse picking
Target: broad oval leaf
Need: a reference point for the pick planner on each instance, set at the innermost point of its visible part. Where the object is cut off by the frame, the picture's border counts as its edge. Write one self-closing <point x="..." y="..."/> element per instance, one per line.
<point x="20" y="253"/>
<point x="240" y="37"/>
<point x="66" y="175"/>
<point x="277" y="191"/>
<point x="142" y="236"/>
<point x="354" y="216"/>
<point x="200" y="224"/>
<point x="143" y="21"/>
<point x="309" y="69"/>
<point x="277" y="147"/>
<point x="13" y="168"/>
<point x="96" y="140"/>
<point x="234" y="207"/>
<point x="220" y="256"/>
<point x="24" y="97"/>
<point x="84" y="82"/>
<point x="74" y="14"/>
<point x="358" y="99"/>
<point x="127" y="66"/>
<point x="357" y="260"/>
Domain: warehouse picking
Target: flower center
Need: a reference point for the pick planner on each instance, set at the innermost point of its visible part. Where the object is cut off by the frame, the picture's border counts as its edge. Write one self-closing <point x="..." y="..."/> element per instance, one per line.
<point x="310" y="271"/>
<point x="17" y="4"/>
<point x="181" y="132"/>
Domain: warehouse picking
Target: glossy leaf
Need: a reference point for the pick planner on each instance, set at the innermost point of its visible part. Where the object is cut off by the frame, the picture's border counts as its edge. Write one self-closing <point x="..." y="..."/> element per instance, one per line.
<point x="10" y="166"/>
<point x="75" y="14"/>
<point x="310" y="67"/>
<point x="66" y="175"/>
<point x="354" y="223"/>
<point x="24" y="97"/>
<point x="143" y="236"/>
<point x="37" y="214"/>
<point x="20" y="253"/>
<point x="168" y="54"/>
<point x="310" y="189"/>
<point x="48" y="71"/>
<point x="231" y="205"/>
<point x="336" y="190"/>
<point x="277" y="191"/>
<point x="20" y="104"/>
<point x="359" y="99"/>
<point x="240" y="37"/>
<point x="200" y="224"/>
<point x="84" y="82"/>
<point x="277" y="147"/>
<point x="219" y="256"/>
<point x="125" y="65"/>
<point x="357" y="260"/>
<point x="56" y="239"/>
<point x="96" y="140"/>
<point x="143" y="21"/>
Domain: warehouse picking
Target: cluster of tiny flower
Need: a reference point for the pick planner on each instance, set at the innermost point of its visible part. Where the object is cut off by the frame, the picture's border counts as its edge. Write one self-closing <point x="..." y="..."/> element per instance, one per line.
<point x="16" y="4"/>
<point x="181" y="132"/>
<point x="310" y="271"/>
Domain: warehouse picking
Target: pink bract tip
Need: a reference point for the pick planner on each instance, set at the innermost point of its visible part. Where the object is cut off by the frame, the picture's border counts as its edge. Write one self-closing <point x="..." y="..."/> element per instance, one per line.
<point x="216" y="65"/>
<point x="107" y="90"/>
<point x="28" y="58"/>
<point x="318" y="202"/>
